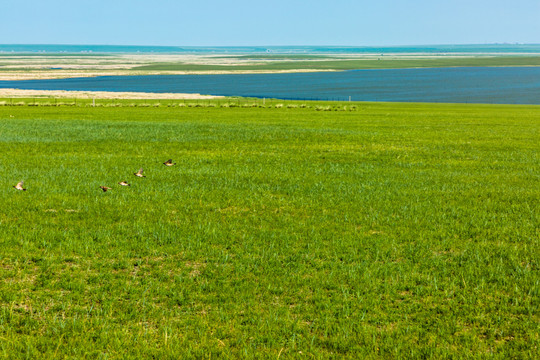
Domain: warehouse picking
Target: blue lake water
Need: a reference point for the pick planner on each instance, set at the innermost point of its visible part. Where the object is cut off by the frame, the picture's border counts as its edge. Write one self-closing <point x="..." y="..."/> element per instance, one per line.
<point x="497" y="85"/>
<point x="424" y="49"/>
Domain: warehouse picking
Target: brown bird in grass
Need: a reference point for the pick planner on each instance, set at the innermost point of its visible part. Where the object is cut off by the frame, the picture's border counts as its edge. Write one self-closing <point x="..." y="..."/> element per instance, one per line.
<point x="105" y="188"/>
<point x="19" y="186"/>
<point x="169" y="163"/>
<point x="139" y="173"/>
<point x="124" y="183"/>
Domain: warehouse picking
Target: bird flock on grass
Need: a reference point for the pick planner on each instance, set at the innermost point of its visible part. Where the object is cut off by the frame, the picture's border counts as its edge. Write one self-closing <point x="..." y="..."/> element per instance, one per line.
<point x="139" y="173"/>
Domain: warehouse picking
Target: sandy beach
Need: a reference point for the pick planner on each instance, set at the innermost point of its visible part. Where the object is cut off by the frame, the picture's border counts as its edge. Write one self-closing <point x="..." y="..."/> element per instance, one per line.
<point x="42" y="75"/>
<point x="18" y="93"/>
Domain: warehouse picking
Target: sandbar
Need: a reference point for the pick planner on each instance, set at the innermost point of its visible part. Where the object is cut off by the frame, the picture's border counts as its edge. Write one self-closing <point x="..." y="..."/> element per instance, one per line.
<point x="20" y="93"/>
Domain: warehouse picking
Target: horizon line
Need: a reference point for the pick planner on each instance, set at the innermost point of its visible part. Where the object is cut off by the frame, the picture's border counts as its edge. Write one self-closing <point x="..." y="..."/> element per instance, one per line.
<point x="262" y="45"/>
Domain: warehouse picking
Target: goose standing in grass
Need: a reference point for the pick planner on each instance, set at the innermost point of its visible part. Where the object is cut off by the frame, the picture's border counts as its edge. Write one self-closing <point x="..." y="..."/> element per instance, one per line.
<point x="105" y="188"/>
<point x="139" y="173"/>
<point x="169" y="163"/>
<point x="19" y="186"/>
<point x="124" y="183"/>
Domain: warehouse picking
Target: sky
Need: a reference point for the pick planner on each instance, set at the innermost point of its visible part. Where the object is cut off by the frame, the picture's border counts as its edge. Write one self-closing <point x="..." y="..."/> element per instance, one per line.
<point x="269" y="23"/>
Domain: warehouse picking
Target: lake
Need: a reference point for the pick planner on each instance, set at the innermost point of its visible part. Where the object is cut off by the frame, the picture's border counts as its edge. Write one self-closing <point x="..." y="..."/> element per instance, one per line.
<point x="137" y="49"/>
<point x="497" y="85"/>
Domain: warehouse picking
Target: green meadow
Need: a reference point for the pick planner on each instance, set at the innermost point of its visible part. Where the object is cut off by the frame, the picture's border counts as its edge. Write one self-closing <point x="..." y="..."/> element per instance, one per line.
<point x="286" y="230"/>
<point x="314" y="62"/>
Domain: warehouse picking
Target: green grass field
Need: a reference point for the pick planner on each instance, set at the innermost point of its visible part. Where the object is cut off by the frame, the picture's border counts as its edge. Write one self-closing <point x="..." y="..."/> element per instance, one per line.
<point x="280" y="62"/>
<point x="377" y="231"/>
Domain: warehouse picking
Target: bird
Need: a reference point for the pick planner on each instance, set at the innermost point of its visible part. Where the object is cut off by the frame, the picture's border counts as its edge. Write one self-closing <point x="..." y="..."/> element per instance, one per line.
<point x="19" y="186"/>
<point x="139" y="173"/>
<point x="105" y="188"/>
<point x="169" y="163"/>
<point x="124" y="183"/>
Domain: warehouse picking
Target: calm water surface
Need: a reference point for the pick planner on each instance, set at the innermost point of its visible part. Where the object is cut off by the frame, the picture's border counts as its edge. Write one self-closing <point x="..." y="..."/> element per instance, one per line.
<point x="499" y="85"/>
<point x="135" y="49"/>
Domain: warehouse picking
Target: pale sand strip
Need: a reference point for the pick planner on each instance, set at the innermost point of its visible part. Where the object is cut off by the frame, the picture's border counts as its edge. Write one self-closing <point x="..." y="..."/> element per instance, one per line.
<point x="42" y="75"/>
<point x="12" y="93"/>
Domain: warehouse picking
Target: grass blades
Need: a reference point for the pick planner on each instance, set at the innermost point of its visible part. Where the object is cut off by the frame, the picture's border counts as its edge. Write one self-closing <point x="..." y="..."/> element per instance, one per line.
<point x="390" y="231"/>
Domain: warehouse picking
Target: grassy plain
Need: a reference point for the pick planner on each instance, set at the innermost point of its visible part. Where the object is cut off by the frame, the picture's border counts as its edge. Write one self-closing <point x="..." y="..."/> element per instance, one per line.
<point x="294" y="230"/>
<point x="270" y="63"/>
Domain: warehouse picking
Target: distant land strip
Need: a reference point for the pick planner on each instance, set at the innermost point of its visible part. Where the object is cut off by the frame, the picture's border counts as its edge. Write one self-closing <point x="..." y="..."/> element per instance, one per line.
<point x="25" y="67"/>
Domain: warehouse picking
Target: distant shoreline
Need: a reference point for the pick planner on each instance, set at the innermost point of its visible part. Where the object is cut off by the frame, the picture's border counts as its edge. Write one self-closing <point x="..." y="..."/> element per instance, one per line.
<point x="41" y="66"/>
<point x="47" y="75"/>
<point x="23" y="67"/>
<point x="264" y="49"/>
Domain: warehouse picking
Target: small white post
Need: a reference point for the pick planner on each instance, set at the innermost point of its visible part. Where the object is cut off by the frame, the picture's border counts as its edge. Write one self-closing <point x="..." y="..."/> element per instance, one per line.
<point x="349" y="98"/>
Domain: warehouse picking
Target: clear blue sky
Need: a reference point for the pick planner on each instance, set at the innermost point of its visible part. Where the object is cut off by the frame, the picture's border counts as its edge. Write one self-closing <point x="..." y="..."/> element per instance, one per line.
<point x="276" y="22"/>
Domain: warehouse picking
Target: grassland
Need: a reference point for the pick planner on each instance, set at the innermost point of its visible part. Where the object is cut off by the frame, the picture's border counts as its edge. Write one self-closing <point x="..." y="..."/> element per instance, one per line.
<point x="293" y="230"/>
<point x="270" y="63"/>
